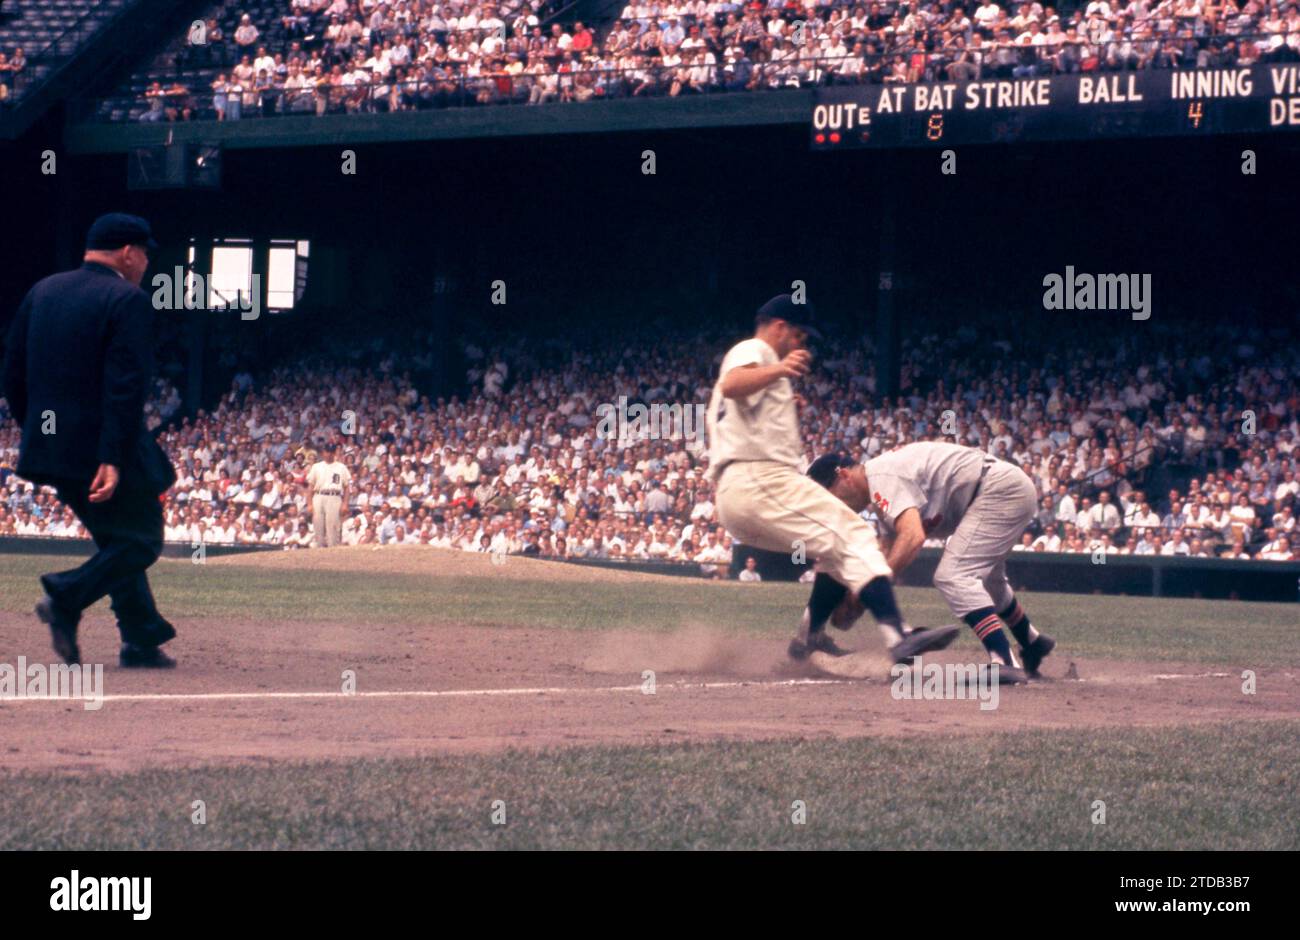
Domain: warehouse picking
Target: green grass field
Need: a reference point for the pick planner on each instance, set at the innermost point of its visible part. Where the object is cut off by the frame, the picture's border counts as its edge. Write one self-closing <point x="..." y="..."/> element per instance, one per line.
<point x="1134" y="628"/>
<point x="1230" y="785"/>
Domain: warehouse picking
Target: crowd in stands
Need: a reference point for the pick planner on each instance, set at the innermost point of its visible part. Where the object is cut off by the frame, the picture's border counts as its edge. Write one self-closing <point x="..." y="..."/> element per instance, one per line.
<point x="10" y="68"/>
<point x="340" y="56"/>
<point x="524" y="464"/>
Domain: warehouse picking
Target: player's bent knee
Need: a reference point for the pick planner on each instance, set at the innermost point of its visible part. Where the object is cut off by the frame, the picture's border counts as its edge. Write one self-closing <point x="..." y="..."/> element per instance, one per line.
<point x="952" y="583"/>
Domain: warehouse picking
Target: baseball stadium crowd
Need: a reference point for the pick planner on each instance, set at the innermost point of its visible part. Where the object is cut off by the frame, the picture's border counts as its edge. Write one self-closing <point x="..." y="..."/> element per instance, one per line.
<point x="343" y="56"/>
<point x="11" y="66"/>
<point x="525" y="464"/>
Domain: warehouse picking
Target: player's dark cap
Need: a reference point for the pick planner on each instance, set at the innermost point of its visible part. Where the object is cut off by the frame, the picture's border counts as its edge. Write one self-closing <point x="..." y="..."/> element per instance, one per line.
<point x="783" y="307"/>
<point x="823" y="468"/>
<point x="329" y="447"/>
<point x="116" y="229"/>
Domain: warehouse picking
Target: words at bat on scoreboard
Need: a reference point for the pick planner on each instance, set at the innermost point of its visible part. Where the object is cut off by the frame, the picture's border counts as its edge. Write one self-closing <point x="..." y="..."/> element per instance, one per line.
<point x="1144" y="103"/>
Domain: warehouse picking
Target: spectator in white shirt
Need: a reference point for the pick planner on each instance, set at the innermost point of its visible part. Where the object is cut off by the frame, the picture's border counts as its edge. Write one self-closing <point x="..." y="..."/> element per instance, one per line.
<point x="1280" y="552"/>
<point x="1104" y="515"/>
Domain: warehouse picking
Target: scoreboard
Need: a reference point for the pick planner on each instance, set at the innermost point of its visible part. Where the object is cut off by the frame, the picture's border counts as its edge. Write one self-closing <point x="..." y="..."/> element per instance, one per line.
<point x="1147" y="103"/>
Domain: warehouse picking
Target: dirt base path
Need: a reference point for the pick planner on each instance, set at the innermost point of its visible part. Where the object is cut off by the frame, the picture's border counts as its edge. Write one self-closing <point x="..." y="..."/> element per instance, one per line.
<point x="251" y="692"/>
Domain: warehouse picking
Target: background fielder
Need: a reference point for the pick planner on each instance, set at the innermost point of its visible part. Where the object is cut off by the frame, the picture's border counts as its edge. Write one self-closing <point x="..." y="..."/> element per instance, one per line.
<point x="981" y="504"/>
<point x="327" y="481"/>
<point x="765" y="501"/>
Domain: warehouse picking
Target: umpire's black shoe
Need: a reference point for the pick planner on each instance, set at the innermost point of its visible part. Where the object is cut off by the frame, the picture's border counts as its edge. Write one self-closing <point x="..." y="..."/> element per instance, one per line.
<point x="923" y="641"/>
<point x="144" y="657"/>
<point x="817" y="642"/>
<point x="63" y="630"/>
<point x="1034" y="654"/>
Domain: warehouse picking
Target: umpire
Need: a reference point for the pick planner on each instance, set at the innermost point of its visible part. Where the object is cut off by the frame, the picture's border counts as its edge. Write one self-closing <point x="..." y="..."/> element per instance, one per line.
<point x="78" y="366"/>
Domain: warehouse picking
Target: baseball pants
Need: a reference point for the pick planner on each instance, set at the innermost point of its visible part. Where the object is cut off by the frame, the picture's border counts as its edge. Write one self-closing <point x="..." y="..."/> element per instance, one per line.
<point x="773" y="506"/>
<point x="972" y="574"/>
<point x="327" y="528"/>
<point x="128" y="533"/>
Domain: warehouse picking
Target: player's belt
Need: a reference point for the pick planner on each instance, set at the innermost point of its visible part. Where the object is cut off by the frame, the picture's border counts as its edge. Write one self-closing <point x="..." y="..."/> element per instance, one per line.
<point x="329" y="492"/>
<point x="984" y="471"/>
<point x="722" y="467"/>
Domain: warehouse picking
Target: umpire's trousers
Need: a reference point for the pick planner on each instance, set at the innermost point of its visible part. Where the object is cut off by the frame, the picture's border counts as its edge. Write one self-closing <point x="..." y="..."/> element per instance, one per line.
<point x="128" y="531"/>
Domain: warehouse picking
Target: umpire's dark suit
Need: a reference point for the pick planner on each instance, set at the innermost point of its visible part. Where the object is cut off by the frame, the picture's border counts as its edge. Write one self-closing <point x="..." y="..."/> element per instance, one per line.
<point x="78" y="363"/>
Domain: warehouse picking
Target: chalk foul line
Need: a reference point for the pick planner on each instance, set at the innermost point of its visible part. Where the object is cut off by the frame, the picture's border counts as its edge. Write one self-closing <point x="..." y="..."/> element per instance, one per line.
<point x="489" y="693"/>
<point x="440" y="693"/>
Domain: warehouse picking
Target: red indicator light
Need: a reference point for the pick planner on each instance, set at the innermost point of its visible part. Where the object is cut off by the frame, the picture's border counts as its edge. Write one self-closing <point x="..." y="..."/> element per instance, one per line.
<point x="835" y="137"/>
<point x="820" y="138"/>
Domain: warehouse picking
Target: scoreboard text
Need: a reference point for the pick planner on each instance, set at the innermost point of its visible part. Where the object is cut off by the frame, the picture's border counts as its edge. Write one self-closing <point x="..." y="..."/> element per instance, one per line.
<point x="1148" y="103"/>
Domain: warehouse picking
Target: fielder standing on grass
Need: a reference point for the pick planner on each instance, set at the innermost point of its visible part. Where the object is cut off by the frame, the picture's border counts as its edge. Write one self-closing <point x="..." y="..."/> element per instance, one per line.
<point x="982" y="505"/>
<point x="765" y="501"/>
<point x="78" y="364"/>
<point x="327" y="483"/>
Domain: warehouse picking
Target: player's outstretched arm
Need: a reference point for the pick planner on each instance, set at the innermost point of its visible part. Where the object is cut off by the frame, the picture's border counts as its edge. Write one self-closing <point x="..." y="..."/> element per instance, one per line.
<point x="908" y="538"/>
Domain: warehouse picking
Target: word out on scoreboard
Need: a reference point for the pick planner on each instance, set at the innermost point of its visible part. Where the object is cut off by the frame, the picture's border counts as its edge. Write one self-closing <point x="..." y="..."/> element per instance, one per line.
<point x="1149" y="103"/>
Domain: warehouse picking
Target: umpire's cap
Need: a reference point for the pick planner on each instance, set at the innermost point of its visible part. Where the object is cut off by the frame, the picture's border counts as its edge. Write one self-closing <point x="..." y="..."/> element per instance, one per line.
<point x="116" y="229"/>
<point x="823" y="468"/>
<point x="783" y="307"/>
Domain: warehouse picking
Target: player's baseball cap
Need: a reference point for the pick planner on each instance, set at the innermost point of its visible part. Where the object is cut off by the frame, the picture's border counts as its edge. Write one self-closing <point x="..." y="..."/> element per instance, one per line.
<point x="823" y="468"/>
<point x="783" y="307"/>
<point x="116" y="229"/>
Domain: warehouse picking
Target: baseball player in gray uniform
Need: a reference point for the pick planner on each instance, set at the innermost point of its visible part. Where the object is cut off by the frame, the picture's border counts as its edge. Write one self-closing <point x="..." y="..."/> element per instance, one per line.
<point x="982" y="505"/>
<point x="328" y="482"/>
<point x="765" y="501"/>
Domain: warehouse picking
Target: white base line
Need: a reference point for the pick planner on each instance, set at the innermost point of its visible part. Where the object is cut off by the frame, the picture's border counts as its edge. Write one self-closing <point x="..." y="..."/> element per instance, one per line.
<point x="444" y="693"/>
<point x="1197" y="675"/>
<point x="471" y="693"/>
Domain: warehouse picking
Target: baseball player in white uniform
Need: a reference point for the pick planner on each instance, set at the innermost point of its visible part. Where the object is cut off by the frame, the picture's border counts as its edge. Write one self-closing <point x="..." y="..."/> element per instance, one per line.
<point x="327" y="481"/>
<point x="764" y="500"/>
<point x="982" y="505"/>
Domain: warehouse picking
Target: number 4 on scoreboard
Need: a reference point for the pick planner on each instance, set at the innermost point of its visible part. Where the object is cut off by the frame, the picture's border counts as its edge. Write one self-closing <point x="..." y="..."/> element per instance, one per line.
<point x="1195" y="113"/>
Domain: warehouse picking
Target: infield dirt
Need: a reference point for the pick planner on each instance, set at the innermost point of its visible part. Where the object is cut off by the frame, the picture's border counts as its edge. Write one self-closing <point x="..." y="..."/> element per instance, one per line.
<point x="257" y="691"/>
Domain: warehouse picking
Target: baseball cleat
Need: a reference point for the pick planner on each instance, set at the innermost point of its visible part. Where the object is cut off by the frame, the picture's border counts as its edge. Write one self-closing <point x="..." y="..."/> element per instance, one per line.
<point x="1010" y="675"/>
<point x="922" y="641"/>
<point x="63" y="630"/>
<point x="944" y="641"/>
<point x="1034" y="654"/>
<point x="816" y="643"/>
<point x="143" y="657"/>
